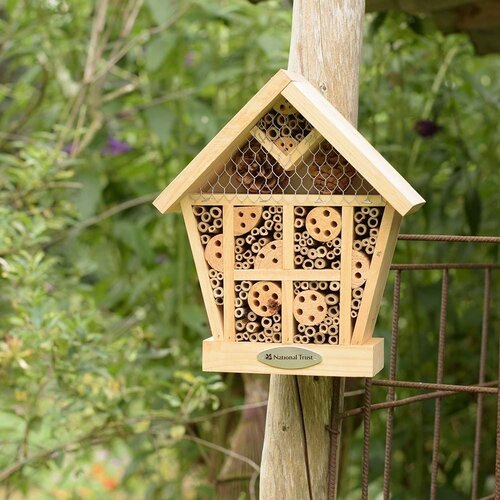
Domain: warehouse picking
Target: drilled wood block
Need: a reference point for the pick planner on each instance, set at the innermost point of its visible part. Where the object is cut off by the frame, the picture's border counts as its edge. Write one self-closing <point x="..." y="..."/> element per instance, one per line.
<point x="245" y="219"/>
<point x="360" y="267"/>
<point x="214" y="253"/>
<point x="309" y="308"/>
<point x="323" y="223"/>
<point x="270" y="256"/>
<point x="264" y="298"/>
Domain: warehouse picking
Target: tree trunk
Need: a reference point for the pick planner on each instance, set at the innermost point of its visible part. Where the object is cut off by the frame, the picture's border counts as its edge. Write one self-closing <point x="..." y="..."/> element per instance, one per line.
<point x="326" y="49"/>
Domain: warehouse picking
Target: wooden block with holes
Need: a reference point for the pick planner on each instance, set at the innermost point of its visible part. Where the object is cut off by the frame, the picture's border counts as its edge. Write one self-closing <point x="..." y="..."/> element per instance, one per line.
<point x="293" y="218"/>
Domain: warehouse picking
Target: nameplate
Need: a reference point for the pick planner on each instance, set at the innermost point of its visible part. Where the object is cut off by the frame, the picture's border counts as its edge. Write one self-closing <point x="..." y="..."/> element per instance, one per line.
<point x="289" y="358"/>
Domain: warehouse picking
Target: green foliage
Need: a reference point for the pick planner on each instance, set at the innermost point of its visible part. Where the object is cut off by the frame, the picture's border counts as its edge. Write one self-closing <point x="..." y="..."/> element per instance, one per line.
<point x="100" y="312"/>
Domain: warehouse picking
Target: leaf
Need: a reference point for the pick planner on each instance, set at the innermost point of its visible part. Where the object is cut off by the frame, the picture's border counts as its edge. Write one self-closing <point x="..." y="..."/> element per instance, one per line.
<point x="473" y="209"/>
<point x="161" y="121"/>
<point x="158" y="50"/>
<point x="162" y="11"/>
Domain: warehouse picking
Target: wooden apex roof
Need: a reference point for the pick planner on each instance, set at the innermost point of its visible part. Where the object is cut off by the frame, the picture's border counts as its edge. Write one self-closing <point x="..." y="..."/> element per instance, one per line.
<point x="323" y="116"/>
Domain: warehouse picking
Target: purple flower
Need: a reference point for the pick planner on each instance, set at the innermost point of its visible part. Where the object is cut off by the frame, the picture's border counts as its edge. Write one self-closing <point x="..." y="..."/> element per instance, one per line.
<point x="115" y="147"/>
<point x="69" y="148"/>
<point x="427" y="128"/>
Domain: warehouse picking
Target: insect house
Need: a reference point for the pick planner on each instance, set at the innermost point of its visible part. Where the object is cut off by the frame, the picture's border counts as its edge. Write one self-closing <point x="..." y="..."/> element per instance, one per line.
<point x="292" y="218"/>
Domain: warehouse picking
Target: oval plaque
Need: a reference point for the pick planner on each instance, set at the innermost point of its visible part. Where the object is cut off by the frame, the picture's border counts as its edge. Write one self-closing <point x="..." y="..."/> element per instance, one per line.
<point x="289" y="357"/>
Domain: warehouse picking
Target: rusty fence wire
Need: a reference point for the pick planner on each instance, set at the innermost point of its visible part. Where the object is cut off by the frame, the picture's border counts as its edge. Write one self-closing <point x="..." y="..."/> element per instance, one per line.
<point x="436" y="391"/>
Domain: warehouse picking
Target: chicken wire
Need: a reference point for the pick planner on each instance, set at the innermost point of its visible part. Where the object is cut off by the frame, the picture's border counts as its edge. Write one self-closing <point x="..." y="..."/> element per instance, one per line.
<point x="285" y="155"/>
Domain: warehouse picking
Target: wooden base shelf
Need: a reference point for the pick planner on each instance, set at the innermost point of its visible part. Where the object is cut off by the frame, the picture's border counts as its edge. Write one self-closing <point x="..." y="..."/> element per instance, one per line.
<point x="364" y="360"/>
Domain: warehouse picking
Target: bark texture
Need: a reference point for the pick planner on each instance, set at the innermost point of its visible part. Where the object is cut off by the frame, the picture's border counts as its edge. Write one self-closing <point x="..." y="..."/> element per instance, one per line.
<point x="326" y="49"/>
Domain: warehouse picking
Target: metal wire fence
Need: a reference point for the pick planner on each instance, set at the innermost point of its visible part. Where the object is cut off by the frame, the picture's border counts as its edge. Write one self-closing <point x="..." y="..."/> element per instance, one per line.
<point x="436" y="391"/>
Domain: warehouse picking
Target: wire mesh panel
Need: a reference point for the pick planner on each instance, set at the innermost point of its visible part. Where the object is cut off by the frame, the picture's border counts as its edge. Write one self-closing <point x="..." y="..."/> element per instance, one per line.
<point x="284" y="154"/>
<point x="475" y="419"/>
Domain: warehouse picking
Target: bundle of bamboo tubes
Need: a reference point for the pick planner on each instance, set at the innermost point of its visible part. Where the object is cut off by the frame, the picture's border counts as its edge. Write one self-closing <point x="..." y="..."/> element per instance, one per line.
<point x="209" y="221"/>
<point x="259" y="235"/>
<point x="257" y="311"/>
<point x="317" y="238"/>
<point x="284" y="126"/>
<point x="316" y="312"/>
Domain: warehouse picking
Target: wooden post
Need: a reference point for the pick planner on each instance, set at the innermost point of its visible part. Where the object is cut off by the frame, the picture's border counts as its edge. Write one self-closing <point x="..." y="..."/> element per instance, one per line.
<point x="325" y="48"/>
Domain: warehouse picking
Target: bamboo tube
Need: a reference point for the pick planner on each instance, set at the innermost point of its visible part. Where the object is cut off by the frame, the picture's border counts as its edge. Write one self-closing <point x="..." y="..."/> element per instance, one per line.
<point x="212" y="273"/>
<point x="203" y="227"/>
<point x="374" y="212"/>
<point x="198" y="210"/>
<point x="254" y="231"/>
<point x="278" y="226"/>
<point x="276" y="327"/>
<point x="297" y="339"/>
<point x="359" y="217"/>
<point x="267" y="215"/>
<point x="268" y="118"/>
<point x="239" y="256"/>
<point x="333" y="330"/>
<point x="253" y="337"/>
<point x="244" y="294"/>
<point x="264" y="241"/>
<point x="286" y="131"/>
<point x="321" y="251"/>
<point x="360" y="229"/>
<point x="218" y="292"/>
<point x="220" y="275"/>
<point x="250" y="239"/>
<point x="309" y="331"/>
<point x="268" y="332"/>
<point x="261" y="337"/>
<point x="255" y="247"/>
<point x="330" y="255"/>
<point x="238" y="302"/>
<point x="313" y="285"/>
<point x="335" y="321"/>
<point x="328" y="321"/>
<point x="372" y="222"/>
<point x="278" y="235"/>
<point x="218" y="223"/>
<point x="239" y="242"/>
<point x="299" y="211"/>
<point x="355" y="304"/>
<point x="336" y="251"/>
<point x="272" y="209"/>
<point x="239" y="312"/>
<point x="365" y="210"/>
<point x="323" y="285"/>
<point x="323" y="327"/>
<point x="296" y="248"/>
<point x="357" y="245"/>
<point x="240" y="325"/>
<point x="214" y="282"/>
<point x="263" y="231"/>
<point x="369" y="249"/>
<point x="333" y="340"/>
<point x="277" y="337"/>
<point x="239" y="337"/>
<point x="252" y="326"/>
<point x="310" y="242"/>
<point x="334" y="286"/>
<point x="357" y="293"/>
<point x="299" y="223"/>
<point x="374" y="232"/>
<point x="277" y="218"/>
<point x="372" y="240"/>
<point x="332" y="299"/>
<point x="304" y="251"/>
<point x="272" y="133"/>
<point x="298" y="259"/>
<point x="251" y="316"/>
<point x="320" y="263"/>
<point x="279" y="209"/>
<point x="205" y="217"/>
<point x="301" y="328"/>
<point x="237" y="288"/>
<point x="245" y="265"/>
<point x="216" y="212"/>
<point x="337" y="243"/>
<point x="212" y="229"/>
<point x="296" y="286"/>
<point x="304" y="339"/>
<point x="336" y="264"/>
<point x="245" y="336"/>
<point x="266" y="322"/>
<point x="219" y="301"/>
<point x="204" y="238"/>
<point x="299" y="136"/>
<point x="304" y="285"/>
<point x="237" y="265"/>
<point x="269" y="224"/>
<point x="312" y="253"/>
<point x="364" y="242"/>
<point x="333" y="311"/>
<point x="269" y="340"/>
<point x="319" y="338"/>
<point x="276" y="318"/>
<point x="354" y="314"/>
<point x="297" y="237"/>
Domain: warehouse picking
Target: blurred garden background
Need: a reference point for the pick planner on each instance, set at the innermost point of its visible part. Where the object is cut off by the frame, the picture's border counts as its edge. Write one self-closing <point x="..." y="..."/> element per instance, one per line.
<point x="101" y="319"/>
